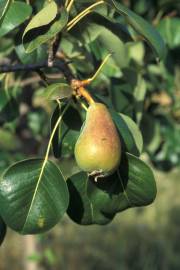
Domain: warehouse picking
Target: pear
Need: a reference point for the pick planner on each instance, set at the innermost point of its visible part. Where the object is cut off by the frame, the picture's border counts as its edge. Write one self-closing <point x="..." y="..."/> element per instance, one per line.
<point x="98" y="148"/>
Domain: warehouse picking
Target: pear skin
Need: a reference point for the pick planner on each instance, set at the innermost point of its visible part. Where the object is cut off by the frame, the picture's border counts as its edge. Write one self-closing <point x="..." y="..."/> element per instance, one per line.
<point x="98" y="148"/>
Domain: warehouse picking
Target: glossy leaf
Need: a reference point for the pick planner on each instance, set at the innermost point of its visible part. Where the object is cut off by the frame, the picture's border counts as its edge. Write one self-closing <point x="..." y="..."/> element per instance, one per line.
<point x="129" y="132"/>
<point x="132" y="186"/>
<point x="108" y="35"/>
<point x="67" y="133"/>
<point x="17" y="13"/>
<point x="33" y="39"/>
<point x="115" y="46"/>
<point x="2" y="231"/>
<point x="4" y="5"/>
<point x="97" y="202"/>
<point x="57" y="91"/>
<point x="43" y="17"/>
<point x="81" y="209"/>
<point x="33" y="196"/>
<point x="135" y="131"/>
<point x="143" y="28"/>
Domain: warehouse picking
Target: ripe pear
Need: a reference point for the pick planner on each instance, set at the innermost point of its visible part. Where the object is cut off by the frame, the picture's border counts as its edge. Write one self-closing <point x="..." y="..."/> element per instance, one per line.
<point x="98" y="148"/>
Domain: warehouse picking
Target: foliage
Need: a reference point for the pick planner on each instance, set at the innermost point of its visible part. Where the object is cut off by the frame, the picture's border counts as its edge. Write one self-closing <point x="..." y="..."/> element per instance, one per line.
<point x="48" y="49"/>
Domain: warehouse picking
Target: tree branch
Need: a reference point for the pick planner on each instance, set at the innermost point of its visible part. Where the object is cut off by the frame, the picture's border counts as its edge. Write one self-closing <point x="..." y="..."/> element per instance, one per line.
<point x="53" y="49"/>
<point x="61" y="65"/>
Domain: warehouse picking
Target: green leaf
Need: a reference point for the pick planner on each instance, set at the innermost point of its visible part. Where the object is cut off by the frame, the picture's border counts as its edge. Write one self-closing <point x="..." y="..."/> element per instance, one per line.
<point x="135" y="131"/>
<point x="66" y="135"/>
<point x="122" y="97"/>
<point x="141" y="185"/>
<point x="169" y="29"/>
<point x="151" y="133"/>
<point x="143" y="28"/>
<point x="80" y="208"/>
<point x="2" y="230"/>
<point x="68" y="166"/>
<point x="97" y="202"/>
<point x="8" y="107"/>
<point x="4" y="5"/>
<point x="17" y="13"/>
<point x="33" y="196"/>
<point x="129" y="132"/>
<point x="38" y="56"/>
<point x="132" y="186"/>
<point x="136" y="51"/>
<point x="43" y="17"/>
<point x="58" y="91"/>
<point x="8" y="140"/>
<point x="33" y="39"/>
<point x="114" y="45"/>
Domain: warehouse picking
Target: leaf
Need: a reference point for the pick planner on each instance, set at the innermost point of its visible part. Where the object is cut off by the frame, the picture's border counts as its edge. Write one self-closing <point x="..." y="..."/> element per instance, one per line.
<point x="8" y="107"/>
<point x="66" y="135"/>
<point x="4" y="5"/>
<point x="97" y="202"/>
<point x="136" y="51"/>
<point x="2" y="231"/>
<point x="114" y="45"/>
<point x="129" y="132"/>
<point x="68" y="167"/>
<point x="43" y="17"/>
<point x="143" y="28"/>
<point x="80" y="207"/>
<point x="33" y="196"/>
<point x="135" y="131"/>
<point x="151" y="133"/>
<point x="38" y="56"/>
<point x="141" y="185"/>
<point x="33" y="39"/>
<point x="132" y="186"/>
<point x="169" y="29"/>
<point x="105" y="38"/>
<point x="122" y="97"/>
<point x="58" y="91"/>
<point x="17" y="13"/>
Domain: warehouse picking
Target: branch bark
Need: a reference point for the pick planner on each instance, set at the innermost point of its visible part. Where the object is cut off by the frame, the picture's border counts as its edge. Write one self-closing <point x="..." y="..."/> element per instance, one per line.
<point x="61" y="65"/>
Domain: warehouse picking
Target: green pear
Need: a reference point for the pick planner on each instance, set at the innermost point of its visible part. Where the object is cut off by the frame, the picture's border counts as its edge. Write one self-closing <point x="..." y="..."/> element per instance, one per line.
<point x="98" y="148"/>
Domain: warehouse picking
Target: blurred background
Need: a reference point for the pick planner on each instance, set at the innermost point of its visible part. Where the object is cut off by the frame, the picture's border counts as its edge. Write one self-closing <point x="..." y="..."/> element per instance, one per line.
<point x="144" y="238"/>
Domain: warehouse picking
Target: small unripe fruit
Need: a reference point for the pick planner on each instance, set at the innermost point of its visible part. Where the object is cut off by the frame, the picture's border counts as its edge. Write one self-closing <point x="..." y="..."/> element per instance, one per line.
<point x="98" y="148"/>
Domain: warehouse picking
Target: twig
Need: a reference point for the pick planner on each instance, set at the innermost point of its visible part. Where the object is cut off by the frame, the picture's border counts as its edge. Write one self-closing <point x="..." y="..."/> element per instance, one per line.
<point x="60" y="65"/>
<point x="43" y="77"/>
<point x="53" y="49"/>
<point x="29" y="67"/>
<point x="66" y="71"/>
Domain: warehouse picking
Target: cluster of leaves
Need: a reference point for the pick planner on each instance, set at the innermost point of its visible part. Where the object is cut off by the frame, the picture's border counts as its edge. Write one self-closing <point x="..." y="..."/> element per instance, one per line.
<point x="36" y="193"/>
<point x="160" y="121"/>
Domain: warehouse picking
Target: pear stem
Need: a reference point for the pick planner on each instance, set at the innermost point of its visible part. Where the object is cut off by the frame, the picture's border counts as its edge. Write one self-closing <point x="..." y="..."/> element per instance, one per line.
<point x="78" y="86"/>
<point x="84" y="93"/>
